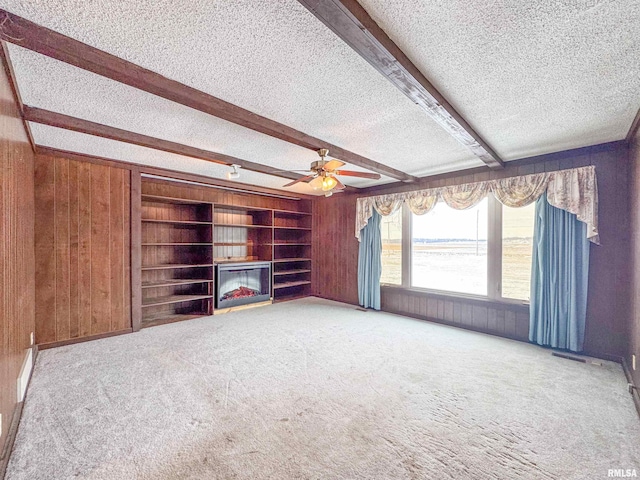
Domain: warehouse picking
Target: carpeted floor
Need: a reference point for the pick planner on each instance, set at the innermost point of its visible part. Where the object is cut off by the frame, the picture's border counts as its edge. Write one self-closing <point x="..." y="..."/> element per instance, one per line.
<point x="316" y="389"/>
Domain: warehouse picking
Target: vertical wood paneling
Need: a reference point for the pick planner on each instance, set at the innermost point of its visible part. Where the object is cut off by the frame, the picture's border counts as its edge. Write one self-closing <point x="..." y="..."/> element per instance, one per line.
<point x="45" y="255"/>
<point x="82" y="249"/>
<point x="74" y="312"/>
<point x="17" y="298"/>
<point x="100" y="250"/>
<point x="116" y="247"/>
<point x="62" y="247"/>
<point x="136" y="250"/>
<point x="633" y="334"/>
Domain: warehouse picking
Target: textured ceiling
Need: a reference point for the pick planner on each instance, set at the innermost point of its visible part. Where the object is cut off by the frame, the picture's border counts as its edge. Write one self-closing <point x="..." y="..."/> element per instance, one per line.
<point x="62" y="88"/>
<point x="79" y="142"/>
<point x="532" y="77"/>
<point x="273" y="58"/>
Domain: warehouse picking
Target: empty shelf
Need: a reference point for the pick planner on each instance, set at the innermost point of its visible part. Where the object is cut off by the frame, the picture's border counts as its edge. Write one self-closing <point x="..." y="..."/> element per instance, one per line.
<point x="290" y="243"/>
<point x="175" y="265"/>
<point x="171" y="282"/>
<point x="181" y="244"/>
<point x="297" y="259"/>
<point x="286" y="298"/>
<point x="178" y="222"/>
<point x="151" y="302"/>
<point x="167" y="317"/>
<point x="291" y="284"/>
<point x="241" y="225"/>
<point x="291" y="272"/>
<point x="278" y="227"/>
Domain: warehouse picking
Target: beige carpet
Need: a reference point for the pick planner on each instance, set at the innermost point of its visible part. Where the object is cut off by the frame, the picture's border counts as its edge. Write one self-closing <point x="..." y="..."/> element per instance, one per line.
<point x="316" y="389"/>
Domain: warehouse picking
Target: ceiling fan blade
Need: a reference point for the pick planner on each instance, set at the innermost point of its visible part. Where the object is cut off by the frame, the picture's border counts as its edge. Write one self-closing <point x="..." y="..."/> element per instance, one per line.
<point x="333" y="164"/>
<point x="302" y="179"/>
<point x="339" y="186"/>
<point x="350" y="173"/>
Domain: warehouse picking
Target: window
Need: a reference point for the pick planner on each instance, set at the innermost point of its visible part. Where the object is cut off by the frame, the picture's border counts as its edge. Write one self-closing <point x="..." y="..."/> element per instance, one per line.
<point x="485" y="250"/>
<point x="391" y="227"/>
<point x="449" y="249"/>
<point x="517" y="248"/>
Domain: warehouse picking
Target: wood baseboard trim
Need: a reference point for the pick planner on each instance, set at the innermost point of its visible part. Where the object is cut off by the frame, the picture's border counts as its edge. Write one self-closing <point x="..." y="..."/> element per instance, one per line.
<point x="635" y="393"/>
<point x="5" y="454"/>
<point x="8" y="445"/>
<point x="333" y="299"/>
<point x="71" y="341"/>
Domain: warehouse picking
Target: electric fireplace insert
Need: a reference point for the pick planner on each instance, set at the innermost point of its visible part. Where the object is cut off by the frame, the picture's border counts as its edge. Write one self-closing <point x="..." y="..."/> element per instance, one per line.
<point x="242" y="283"/>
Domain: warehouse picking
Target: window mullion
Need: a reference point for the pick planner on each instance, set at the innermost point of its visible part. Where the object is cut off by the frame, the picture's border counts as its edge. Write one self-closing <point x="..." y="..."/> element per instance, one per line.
<point x="406" y="245"/>
<point x="494" y="249"/>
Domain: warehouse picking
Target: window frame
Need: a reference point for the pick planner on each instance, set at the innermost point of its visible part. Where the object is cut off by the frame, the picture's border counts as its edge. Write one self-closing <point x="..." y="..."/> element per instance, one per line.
<point x="494" y="258"/>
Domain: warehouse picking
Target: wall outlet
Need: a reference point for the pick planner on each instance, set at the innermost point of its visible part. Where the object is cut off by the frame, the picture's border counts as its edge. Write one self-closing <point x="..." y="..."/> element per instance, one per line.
<point x="633" y="362"/>
<point x="31" y="338"/>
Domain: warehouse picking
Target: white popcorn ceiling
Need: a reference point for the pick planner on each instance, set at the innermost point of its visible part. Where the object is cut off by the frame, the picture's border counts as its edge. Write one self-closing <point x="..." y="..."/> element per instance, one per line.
<point x="533" y="77"/>
<point x="72" y="91"/>
<point x="273" y="58"/>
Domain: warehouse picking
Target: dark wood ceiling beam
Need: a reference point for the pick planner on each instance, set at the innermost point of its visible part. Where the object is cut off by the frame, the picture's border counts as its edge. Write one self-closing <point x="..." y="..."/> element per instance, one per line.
<point x="24" y="33"/>
<point x="46" y="117"/>
<point x="351" y="22"/>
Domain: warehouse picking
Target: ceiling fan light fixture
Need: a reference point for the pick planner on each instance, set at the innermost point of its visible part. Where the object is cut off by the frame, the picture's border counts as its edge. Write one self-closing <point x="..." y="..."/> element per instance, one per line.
<point x="328" y="183"/>
<point x="317" y="183"/>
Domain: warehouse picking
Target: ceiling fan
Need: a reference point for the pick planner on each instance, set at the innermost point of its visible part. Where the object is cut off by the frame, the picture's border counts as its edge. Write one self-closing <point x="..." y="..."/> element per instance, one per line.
<point x="323" y="174"/>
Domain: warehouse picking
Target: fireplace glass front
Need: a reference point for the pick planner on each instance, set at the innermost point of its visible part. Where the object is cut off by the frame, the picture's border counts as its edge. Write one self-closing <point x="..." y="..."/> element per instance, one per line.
<point x="242" y="283"/>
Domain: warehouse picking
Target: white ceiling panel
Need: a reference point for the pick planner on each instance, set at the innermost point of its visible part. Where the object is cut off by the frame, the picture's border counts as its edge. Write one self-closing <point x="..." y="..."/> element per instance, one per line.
<point x="47" y="136"/>
<point x="62" y="88"/>
<point x="532" y="77"/>
<point x="271" y="57"/>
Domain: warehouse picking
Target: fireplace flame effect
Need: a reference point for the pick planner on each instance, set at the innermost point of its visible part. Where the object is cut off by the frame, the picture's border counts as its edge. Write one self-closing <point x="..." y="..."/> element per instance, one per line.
<point x="240" y="292"/>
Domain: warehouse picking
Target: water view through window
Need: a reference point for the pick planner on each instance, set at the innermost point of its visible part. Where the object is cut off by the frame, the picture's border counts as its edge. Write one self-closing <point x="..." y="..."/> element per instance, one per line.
<point x="449" y="249"/>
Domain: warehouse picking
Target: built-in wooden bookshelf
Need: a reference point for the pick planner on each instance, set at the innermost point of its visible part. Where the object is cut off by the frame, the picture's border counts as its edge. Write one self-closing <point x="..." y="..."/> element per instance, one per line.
<point x="242" y="234"/>
<point x="245" y="234"/>
<point x="186" y="232"/>
<point x="177" y="259"/>
<point x="291" y="254"/>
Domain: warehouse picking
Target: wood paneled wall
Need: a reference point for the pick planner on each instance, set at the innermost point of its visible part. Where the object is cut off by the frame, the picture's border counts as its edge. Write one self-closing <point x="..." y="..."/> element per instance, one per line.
<point x="502" y="319"/>
<point x="608" y="306"/>
<point x="152" y="186"/>
<point x="634" y="259"/>
<point x="16" y="250"/>
<point x="82" y="249"/>
<point x="334" y="250"/>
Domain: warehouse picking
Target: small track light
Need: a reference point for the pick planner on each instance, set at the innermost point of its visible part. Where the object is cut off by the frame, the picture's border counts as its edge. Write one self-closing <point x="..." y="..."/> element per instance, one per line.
<point x="234" y="174"/>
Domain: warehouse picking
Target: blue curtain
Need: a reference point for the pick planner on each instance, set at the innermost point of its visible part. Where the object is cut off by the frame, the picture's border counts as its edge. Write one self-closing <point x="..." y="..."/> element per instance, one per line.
<point x="370" y="263"/>
<point x="559" y="278"/>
